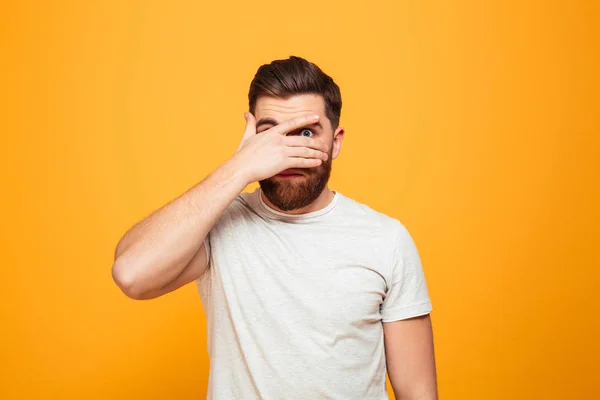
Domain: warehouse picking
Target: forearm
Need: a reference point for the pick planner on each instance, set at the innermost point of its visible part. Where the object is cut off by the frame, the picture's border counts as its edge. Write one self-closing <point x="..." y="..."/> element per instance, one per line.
<point x="157" y="249"/>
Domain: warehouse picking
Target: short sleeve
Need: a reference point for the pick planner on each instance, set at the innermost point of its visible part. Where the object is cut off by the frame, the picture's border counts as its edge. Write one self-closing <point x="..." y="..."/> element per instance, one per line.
<point x="407" y="295"/>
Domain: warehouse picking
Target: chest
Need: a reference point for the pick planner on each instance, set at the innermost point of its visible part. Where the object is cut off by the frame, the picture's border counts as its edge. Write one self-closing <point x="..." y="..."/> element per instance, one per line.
<point x="331" y="279"/>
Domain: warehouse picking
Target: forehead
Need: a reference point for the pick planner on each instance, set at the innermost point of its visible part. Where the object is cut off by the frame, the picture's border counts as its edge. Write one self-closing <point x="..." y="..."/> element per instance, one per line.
<point x="284" y="109"/>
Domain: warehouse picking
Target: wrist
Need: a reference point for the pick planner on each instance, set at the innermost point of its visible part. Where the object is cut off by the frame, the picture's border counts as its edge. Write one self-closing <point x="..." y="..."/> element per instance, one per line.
<point x="236" y="170"/>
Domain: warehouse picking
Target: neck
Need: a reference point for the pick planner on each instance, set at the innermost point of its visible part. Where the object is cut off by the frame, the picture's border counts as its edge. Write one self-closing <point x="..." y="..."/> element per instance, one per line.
<point x="321" y="202"/>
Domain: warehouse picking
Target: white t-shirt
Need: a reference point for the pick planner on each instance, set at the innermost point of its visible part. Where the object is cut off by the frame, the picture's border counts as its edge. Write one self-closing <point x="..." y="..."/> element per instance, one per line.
<point x="295" y="303"/>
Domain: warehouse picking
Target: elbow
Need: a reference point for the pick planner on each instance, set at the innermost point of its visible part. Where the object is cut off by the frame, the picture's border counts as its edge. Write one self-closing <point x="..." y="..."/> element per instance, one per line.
<point x="125" y="278"/>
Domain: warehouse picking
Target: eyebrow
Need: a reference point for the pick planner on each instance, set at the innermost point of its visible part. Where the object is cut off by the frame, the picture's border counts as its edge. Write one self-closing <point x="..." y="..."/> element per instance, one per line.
<point x="271" y="121"/>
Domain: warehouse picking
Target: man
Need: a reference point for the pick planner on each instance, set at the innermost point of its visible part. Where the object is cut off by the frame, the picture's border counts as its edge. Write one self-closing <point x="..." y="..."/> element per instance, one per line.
<point x="308" y="294"/>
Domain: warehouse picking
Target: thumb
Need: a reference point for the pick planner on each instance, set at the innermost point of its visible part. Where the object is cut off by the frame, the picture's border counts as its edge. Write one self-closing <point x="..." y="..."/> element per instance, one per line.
<point x="250" y="125"/>
<point x="250" y="128"/>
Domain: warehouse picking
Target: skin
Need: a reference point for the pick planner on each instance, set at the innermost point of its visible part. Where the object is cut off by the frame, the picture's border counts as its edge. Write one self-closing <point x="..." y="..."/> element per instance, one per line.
<point x="410" y="358"/>
<point x="165" y="250"/>
<point x="271" y="111"/>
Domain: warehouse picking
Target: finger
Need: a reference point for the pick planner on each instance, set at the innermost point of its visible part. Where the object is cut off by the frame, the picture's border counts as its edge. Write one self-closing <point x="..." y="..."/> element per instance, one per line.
<point x="303" y="141"/>
<point x="295" y="123"/>
<point x="250" y="125"/>
<point x="250" y="129"/>
<point x="299" y="162"/>
<point x="306" y="152"/>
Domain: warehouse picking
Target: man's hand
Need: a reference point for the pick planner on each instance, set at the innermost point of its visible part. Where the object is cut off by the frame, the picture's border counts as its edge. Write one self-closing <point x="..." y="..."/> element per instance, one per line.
<point x="266" y="154"/>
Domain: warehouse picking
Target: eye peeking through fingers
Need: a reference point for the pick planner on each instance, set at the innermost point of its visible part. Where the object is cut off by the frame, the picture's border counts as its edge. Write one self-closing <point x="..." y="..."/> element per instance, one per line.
<point x="303" y="132"/>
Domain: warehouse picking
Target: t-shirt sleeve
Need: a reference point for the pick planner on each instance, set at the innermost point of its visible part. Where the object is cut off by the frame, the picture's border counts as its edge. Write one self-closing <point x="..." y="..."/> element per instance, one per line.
<point x="407" y="295"/>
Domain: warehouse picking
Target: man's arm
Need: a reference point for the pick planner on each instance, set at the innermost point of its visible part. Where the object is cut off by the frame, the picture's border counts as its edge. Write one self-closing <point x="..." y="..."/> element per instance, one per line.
<point x="410" y="358"/>
<point x="165" y="250"/>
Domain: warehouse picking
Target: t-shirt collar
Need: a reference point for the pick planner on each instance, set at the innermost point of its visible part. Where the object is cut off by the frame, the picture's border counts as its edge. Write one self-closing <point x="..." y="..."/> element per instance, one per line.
<point x="271" y="213"/>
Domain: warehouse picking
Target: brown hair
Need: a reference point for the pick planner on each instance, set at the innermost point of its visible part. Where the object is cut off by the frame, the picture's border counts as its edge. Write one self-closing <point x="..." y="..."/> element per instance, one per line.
<point x="293" y="76"/>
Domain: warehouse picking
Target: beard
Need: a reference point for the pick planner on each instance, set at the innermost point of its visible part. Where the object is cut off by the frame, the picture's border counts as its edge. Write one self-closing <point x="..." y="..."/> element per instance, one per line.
<point x="288" y="195"/>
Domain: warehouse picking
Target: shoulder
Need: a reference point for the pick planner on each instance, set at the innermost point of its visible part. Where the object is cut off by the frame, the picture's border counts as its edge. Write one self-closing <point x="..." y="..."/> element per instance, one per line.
<point x="379" y="220"/>
<point x="246" y="198"/>
<point x="383" y="231"/>
<point x="239" y="209"/>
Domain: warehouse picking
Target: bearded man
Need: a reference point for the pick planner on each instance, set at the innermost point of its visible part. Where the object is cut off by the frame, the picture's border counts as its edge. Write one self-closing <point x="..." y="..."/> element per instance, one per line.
<point x="308" y="294"/>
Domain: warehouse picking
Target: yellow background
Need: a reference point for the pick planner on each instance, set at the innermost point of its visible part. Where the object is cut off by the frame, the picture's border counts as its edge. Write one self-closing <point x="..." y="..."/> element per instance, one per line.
<point x="475" y="123"/>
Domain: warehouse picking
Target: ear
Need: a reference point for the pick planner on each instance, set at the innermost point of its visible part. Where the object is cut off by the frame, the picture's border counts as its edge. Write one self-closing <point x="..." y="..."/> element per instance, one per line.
<point x="338" y="136"/>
